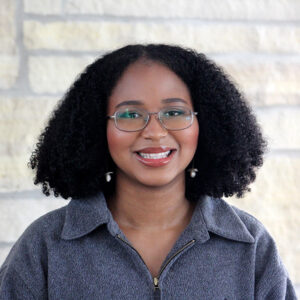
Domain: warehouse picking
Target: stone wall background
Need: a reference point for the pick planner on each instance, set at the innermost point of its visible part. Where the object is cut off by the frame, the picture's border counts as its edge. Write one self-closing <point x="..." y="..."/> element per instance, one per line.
<point x="45" y="44"/>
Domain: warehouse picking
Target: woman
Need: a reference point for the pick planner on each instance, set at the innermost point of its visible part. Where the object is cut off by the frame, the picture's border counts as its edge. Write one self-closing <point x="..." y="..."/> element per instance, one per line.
<point x="145" y="142"/>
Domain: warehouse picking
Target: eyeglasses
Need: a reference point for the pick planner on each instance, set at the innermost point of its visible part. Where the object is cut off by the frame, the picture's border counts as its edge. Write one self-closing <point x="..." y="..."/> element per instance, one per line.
<point x="135" y="119"/>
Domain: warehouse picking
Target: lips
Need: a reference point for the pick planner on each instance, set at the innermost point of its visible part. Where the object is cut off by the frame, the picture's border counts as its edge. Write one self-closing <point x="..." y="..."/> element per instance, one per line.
<point x="155" y="157"/>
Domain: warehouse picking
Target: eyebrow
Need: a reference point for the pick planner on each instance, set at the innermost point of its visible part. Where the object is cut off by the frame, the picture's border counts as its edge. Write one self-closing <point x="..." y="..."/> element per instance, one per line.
<point x="130" y="102"/>
<point x="171" y="100"/>
<point x="138" y="102"/>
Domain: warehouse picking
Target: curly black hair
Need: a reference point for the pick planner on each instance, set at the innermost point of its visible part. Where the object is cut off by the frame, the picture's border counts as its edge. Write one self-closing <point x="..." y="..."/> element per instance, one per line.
<point x="72" y="157"/>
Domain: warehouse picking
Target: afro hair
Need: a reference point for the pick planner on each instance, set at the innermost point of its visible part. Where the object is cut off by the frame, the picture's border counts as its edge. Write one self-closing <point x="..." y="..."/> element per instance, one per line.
<point x="72" y="157"/>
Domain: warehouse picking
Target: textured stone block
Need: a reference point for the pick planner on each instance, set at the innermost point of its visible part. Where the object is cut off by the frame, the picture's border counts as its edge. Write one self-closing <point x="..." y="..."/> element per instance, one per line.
<point x="9" y="67"/>
<point x="21" y="121"/>
<point x="264" y="80"/>
<point x="277" y="183"/>
<point x="14" y="173"/>
<point x="55" y="74"/>
<point x="23" y="213"/>
<point x="281" y="126"/>
<point x="261" y="77"/>
<point x="7" y="27"/>
<point x="216" y="9"/>
<point x="268" y="99"/>
<point x="207" y="38"/>
<point x="45" y="7"/>
<point x="281" y="39"/>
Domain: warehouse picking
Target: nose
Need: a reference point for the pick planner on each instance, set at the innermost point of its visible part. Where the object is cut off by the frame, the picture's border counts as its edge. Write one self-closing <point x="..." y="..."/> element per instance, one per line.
<point x="154" y="129"/>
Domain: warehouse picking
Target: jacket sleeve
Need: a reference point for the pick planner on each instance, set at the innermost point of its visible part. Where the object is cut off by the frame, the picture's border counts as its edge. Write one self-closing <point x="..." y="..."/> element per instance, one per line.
<point x="23" y="274"/>
<point x="271" y="278"/>
<point x="281" y="290"/>
<point x="12" y="286"/>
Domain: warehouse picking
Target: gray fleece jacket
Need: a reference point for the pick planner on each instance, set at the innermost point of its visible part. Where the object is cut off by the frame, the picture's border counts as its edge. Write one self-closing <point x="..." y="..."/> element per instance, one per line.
<point x="79" y="252"/>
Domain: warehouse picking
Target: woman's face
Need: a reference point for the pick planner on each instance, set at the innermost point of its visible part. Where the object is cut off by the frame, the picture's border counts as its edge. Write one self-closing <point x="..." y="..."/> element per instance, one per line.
<point x="151" y="86"/>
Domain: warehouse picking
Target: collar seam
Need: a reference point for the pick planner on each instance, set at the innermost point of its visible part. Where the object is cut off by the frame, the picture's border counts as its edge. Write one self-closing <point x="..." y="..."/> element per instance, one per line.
<point x="70" y="236"/>
<point x="227" y="236"/>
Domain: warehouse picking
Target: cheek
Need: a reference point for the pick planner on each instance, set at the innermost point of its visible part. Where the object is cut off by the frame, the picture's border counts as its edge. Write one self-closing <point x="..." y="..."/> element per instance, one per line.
<point x="113" y="140"/>
<point x="118" y="140"/>
<point x="190" y="137"/>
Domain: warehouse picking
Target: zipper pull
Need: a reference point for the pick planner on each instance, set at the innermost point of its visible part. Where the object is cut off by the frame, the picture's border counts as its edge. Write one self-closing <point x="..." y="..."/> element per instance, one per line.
<point x="156" y="289"/>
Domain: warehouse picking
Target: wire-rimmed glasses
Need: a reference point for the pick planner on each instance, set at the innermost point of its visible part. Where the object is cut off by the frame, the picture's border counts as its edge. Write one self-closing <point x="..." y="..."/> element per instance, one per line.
<point x="135" y="119"/>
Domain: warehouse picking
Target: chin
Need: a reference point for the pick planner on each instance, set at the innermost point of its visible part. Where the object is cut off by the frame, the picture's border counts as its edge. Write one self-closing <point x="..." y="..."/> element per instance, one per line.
<point x="158" y="181"/>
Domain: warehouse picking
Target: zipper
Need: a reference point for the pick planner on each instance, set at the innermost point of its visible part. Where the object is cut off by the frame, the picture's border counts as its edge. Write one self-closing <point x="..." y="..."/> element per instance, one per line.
<point x="156" y="279"/>
<point x="120" y="238"/>
<point x="156" y="289"/>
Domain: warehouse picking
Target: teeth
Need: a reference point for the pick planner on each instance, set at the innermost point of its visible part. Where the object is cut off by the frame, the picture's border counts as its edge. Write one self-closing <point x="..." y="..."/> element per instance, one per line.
<point x="155" y="155"/>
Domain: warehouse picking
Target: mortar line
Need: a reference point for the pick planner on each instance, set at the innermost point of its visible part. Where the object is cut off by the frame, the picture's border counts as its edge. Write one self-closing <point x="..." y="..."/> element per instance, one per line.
<point x="278" y="107"/>
<point x="29" y="194"/>
<point x="22" y="83"/>
<point x="258" y="56"/>
<point x="4" y="244"/>
<point x="149" y="19"/>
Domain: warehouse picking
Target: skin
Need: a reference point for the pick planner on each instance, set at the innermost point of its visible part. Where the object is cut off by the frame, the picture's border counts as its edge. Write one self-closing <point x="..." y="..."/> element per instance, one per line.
<point x="151" y="222"/>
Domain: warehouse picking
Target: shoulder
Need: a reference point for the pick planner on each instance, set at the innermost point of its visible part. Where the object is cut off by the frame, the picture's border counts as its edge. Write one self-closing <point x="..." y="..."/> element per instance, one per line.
<point x="237" y="225"/>
<point x="232" y="221"/>
<point x="264" y="242"/>
<point x="37" y="238"/>
<point x="48" y="227"/>
<point x="25" y="268"/>
<point x="271" y="276"/>
<point x="254" y="226"/>
<point x="229" y="222"/>
<point x="268" y="264"/>
<point x="44" y="230"/>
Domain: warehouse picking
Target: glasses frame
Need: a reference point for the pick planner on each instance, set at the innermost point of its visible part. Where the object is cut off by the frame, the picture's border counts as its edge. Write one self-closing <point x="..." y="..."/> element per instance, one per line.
<point x="158" y="117"/>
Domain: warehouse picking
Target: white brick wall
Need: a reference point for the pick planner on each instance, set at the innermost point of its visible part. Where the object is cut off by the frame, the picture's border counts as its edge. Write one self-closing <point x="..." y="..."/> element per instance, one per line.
<point x="54" y="74"/>
<point x="45" y="44"/>
<point x="9" y="61"/>
<point x="7" y="27"/>
<point x="208" y="37"/>
<point x="45" y="7"/>
<point x="267" y="81"/>
<point x="215" y="9"/>
<point x="281" y="126"/>
<point x="9" y="67"/>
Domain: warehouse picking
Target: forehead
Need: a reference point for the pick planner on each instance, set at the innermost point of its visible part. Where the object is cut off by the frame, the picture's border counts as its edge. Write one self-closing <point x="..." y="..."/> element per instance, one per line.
<point x="149" y="82"/>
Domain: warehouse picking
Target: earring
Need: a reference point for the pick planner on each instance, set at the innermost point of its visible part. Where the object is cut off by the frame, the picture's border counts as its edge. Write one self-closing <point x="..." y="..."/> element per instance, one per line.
<point x="108" y="176"/>
<point x="193" y="171"/>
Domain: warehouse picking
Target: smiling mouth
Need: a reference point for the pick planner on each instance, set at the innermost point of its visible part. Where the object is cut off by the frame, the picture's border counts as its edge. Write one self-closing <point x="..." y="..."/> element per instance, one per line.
<point x="155" y="159"/>
<point x="155" y="155"/>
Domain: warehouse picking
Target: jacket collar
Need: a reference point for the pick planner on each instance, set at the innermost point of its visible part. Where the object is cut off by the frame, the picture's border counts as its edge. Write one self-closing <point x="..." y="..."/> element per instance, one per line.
<point x="210" y="215"/>
<point x="84" y="215"/>
<point x="222" y="219"/>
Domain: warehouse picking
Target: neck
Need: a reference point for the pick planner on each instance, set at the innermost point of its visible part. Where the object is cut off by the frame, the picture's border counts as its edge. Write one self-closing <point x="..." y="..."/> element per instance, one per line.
<point x="148" y="208"/>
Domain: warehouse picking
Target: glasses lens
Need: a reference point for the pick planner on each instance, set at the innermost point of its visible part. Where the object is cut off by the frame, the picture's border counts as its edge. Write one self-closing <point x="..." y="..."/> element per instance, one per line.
<point x="176" y="118"/>
<point x="131" y="119"/>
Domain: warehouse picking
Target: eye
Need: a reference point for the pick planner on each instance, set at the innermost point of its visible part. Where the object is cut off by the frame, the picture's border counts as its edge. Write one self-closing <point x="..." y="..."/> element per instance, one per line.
<point x="174" y="112"/>
<point x="129" y="114"/>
